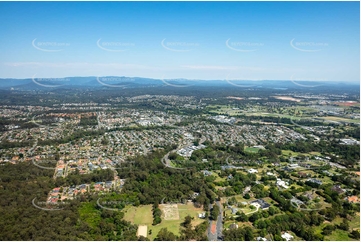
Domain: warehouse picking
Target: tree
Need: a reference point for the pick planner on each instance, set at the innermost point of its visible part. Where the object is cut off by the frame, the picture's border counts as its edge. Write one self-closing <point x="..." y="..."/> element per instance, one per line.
<point x="344" y="225"/>
<point x="187" y="222"/>
<point x="156" y="214"/>
<point x="254" y="217"/>
<point x="355" y="234"/>
<point x="242" y="217"/>
<point x="248" y="234"/>
<point x="165" y="235"/>
<point x="327" y="230"/>
<point x="215" y="212"/>
<point x="272" y="211"/>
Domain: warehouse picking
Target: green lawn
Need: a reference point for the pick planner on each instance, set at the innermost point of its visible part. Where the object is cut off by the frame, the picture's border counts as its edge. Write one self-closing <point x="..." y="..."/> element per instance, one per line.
<point x="355" y="222"/>
<point x="287" y="153"/>
<point x="139" y="215"/>
<point x="218" y="178"/>
<point x="338" y="235"/>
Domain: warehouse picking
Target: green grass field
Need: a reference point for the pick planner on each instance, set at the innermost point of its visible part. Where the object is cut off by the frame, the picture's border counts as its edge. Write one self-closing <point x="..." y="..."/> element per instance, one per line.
<point x="288" y="152"/>
<point x="339" y="119"/>
<point x="139" y="215"/>
<point x="142" y="215"/>
<point x="338" y="235"/>
<point x="251" y="149"/>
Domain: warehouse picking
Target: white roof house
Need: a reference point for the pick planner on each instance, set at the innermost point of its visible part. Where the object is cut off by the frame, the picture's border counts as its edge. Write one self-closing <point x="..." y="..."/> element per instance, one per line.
<point x="287" y="236"/>
<point x="252" y="171"/>
<point x="261" y="239"/>
<point x="281" y="183"/>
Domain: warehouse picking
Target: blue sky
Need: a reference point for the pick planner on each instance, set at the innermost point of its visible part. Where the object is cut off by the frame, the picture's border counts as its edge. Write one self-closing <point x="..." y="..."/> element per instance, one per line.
<point x="194" y="40"/>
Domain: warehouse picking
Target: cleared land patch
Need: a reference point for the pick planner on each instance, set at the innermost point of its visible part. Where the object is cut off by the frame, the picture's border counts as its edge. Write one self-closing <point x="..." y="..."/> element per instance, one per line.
<point x="142" y="215"/>
<point x="142" y="230"/>
<point x="170" y="211"/>
<point x="139" y="215"/>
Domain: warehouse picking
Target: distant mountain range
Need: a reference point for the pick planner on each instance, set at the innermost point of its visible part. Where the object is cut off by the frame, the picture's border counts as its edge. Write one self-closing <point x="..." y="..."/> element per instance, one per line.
<point x="139" y="82"/>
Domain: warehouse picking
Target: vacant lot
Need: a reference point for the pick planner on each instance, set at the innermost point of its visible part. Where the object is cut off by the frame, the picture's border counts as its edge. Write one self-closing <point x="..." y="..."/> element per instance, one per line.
<point x="139" y="215"/>
<point x="170" y="211"/>
<point x="142" y="215"/>
<point x="142" y="230"/>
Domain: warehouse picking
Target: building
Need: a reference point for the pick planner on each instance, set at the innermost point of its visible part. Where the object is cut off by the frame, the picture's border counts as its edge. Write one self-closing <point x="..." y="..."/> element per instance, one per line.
<point x="202" y="215"/>
<point x="228" y="167"/>
<point x="315" y="181"/>
<point x="287" y="236"/>
<point x="281" y="183"/>
<point x="261" y="239"/>
<point x="353" y="199"/>
<point x="234" y="210"/>
<point x="264" y="205"/>
<point x="296" y="201"/>
<point x="293" y="166"/>
<point x="233" y="226"/>
<point x="338" y="189"/>
<point x="252" y="171"/>
<point x="207" y="173"/>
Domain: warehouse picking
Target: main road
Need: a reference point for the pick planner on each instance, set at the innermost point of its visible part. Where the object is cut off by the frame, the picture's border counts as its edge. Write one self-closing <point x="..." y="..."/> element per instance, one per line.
<point x="216" y="235"/>
<point x="220" y="222"/>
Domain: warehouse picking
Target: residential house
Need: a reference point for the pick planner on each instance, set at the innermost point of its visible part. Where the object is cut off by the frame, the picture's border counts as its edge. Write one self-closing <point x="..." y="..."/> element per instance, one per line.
<point x="281" y="183"/>
<point x="233" y="226"/>
<point x="338" y="189"/>
<point x="287" y="236"/>
<point x="252" y="171"/>
<point x="202" y="215"/>
<point x="261" y="239"/>
<point x="313" y="180"/>
<point x="207" y="173"/>
<point x="261" y="203"/>
<point x="353" y="199"/>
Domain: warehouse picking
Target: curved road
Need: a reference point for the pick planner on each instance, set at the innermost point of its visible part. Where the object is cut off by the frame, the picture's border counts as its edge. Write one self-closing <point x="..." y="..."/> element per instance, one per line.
<point x="165" y="160"/>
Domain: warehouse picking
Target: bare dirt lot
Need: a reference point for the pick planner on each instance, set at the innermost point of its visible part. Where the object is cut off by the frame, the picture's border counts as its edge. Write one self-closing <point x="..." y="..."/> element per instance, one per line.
<point x="142" y="230"/>
<point x="170" y="211"/>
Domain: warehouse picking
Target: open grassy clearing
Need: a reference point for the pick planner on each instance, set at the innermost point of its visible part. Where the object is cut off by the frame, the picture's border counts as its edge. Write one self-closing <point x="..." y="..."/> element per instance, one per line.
<point x="251" y="149"/>
<point x="139" y="215"/>
<point x="142" y="215"/>
<point x="338" y="235"/>
<point x="290" y="153"/>
<point x="339" y="119"/>
<point x="218" y="178"/>
<point x="265" y="114"/>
